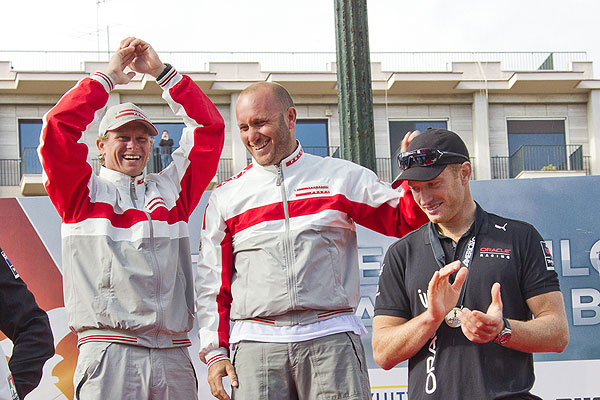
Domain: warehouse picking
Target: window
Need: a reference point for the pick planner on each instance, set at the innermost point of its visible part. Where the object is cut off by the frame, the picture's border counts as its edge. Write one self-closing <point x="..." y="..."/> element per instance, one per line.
<point x="312" y="134"/>
<point x="399" y="128"/>
<point x="397" y="131"/>
<point x="535" y="144"/>
<point x="29" y="139"/>
<point x="175" y="130"/>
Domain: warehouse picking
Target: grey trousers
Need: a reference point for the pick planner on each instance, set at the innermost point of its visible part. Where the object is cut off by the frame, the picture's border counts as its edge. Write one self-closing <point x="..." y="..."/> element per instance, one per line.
<point x="111" y="371"/>
<point x="331" y="367"/>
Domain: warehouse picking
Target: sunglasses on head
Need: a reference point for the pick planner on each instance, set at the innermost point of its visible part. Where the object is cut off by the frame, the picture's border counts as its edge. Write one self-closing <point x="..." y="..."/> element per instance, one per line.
<point x="424" y="157"/>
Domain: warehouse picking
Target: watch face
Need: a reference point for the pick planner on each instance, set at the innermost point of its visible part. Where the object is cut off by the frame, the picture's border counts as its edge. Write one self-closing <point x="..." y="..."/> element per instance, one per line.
<point x="504" y="338"/>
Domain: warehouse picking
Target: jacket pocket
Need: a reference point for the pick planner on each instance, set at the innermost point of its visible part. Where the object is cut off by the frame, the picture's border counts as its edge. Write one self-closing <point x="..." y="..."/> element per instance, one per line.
<point x="319" y="263"/>
<point x="260" y="286"/>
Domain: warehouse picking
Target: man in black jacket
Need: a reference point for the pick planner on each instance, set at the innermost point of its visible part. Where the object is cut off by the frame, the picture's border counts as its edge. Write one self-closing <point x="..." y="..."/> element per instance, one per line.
<point x="26" y="325"/>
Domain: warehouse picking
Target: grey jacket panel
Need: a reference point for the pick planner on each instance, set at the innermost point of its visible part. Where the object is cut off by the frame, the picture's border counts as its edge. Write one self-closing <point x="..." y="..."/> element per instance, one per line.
<point x="109" y="284"/>
<point x="318" y="279"/>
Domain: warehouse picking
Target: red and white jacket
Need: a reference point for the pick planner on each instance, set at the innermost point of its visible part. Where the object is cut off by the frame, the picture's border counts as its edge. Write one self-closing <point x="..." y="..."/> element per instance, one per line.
<point x="127" y="266"/>
<point x="279" y="243"/>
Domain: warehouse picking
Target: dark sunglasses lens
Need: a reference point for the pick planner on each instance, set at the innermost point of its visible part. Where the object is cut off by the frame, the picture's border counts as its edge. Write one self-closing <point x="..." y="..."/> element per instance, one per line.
<point x="429" y="159"/>
<point x="404" y="162"/>
<point x="422" y="159"/>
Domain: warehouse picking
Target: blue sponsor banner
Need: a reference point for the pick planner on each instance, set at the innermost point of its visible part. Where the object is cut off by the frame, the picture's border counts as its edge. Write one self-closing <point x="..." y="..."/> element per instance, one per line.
<point x="566" y="212"/>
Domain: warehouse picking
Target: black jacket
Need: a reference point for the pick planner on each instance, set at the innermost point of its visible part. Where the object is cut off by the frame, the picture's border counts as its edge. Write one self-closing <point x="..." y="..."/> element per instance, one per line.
<point x="27" y="326"/>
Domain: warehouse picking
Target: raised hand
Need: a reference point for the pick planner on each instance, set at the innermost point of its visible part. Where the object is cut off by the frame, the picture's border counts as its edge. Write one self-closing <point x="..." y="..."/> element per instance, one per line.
<point x="146" y="60"/>
<point x="117" y="64"/>
<point x="482" y="327"/>
<point x="407" y="139"/>
<point x="441" y="295"/>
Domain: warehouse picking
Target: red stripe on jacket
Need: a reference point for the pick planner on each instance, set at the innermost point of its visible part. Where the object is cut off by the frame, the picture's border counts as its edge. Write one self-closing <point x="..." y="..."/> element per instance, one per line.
<point x="65" y="160"/>
<point x="208" y="143"/>
<point x="224" y="297"/>
<point x="375" y="218"/>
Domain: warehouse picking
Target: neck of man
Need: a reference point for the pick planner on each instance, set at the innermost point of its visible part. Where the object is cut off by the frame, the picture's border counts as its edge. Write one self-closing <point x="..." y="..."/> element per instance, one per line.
<point x="294" y="148"/>
<point x="459" y="225"/>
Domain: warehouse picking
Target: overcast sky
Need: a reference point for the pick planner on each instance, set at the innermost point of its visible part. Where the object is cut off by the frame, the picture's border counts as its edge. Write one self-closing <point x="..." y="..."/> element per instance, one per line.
<point x="303" y="25"/>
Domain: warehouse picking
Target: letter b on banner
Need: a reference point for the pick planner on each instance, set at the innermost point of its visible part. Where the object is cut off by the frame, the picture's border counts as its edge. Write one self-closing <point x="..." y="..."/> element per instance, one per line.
<point x="585" y="312"/>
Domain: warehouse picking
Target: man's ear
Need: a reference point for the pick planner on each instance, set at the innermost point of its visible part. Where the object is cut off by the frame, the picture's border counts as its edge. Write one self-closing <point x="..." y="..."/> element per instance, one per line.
<point x="290" y="118"/>
<point x="100" y="145"/>
<point x="466" y="169"/>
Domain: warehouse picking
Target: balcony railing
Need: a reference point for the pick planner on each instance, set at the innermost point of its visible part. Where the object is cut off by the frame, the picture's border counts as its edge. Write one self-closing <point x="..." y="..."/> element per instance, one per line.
<point x="569" y="158"/>
<point x="383" y="164"/>
<point x="323" y="151"/>
<point x="384" y="170"/>
<point x="541" y="158"/>
<point x="302" y="61"/>
<point x="225" y="169"/>
<point x="10" y="172"/>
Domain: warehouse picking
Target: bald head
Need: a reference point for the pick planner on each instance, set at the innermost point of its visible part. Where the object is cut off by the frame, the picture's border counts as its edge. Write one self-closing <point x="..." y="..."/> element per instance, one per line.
<point x="280" y="95"/>
<point x="266" y="117"/>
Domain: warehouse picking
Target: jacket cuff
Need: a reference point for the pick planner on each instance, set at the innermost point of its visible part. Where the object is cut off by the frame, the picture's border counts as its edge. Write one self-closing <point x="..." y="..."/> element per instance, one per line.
<point x="170" y="79"/>
<point x="105" y="80"/>
<point x="216" y="355"/>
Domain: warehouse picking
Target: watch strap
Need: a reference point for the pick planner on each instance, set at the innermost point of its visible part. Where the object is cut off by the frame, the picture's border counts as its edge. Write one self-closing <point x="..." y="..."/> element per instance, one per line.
<point x="505" y="334"/>
<point x="165" y="71"/>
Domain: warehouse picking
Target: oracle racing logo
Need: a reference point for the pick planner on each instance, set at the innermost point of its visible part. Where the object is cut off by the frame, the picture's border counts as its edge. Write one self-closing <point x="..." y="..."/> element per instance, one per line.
<point x="431" y="381"/>
<point x="495" y="252"/>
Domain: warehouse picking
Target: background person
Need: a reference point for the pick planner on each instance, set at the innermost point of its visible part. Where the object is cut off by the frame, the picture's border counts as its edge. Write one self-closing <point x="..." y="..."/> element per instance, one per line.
<point x="279" y="256"/>
<point x="468" y="334"/>
<point x="27" y="326"/>
<point x="128" y="278"/>
<point x="166" y="147"/>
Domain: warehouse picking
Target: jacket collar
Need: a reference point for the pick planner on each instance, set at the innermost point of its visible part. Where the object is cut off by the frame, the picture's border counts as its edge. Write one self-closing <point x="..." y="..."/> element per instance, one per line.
<point x="290" y="161"/>
<point x="120" y="179"/>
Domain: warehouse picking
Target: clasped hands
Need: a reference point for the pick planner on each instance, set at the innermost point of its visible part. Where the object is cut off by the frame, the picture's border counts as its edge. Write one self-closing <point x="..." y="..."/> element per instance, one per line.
<point x="136" y="54"/>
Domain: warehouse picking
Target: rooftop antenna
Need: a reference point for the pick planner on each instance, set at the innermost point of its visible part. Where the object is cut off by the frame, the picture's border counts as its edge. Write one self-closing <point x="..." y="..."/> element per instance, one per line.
<point x="98" y="2"/>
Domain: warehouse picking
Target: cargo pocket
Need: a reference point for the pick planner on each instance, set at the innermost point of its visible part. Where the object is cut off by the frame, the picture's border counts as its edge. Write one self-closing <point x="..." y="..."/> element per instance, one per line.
<point x="91" y="357"/>
<point x="186" y="353"/>
<point x="359" y="351"/>
<point x="234" y="350"/>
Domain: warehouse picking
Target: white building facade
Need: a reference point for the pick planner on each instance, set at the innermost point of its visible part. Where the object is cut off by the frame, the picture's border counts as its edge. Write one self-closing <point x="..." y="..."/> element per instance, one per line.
<point x="520" y="114"/>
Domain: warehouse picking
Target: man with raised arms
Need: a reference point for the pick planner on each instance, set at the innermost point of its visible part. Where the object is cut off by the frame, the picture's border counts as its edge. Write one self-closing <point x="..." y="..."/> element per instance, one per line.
<point x="128" y="278"/>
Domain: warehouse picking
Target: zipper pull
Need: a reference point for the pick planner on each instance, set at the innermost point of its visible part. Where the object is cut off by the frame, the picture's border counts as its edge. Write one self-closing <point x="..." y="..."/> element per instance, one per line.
<point x="279" y="175"/>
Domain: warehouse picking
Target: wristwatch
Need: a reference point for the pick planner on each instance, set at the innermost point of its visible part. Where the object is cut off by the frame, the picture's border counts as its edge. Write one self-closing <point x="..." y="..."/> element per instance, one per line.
<point x="165" y="71"/>
<point x="505" y="334"/>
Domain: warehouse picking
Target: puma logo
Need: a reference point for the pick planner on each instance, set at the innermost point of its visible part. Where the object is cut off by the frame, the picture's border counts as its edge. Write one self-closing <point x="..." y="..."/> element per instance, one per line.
<point x="503" y="227"/>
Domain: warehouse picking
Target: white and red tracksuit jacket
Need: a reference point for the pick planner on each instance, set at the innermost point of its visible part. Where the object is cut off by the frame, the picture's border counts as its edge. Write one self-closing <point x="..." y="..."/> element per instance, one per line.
<point x="127" y="266"/>
<point x="279" y="243"/>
